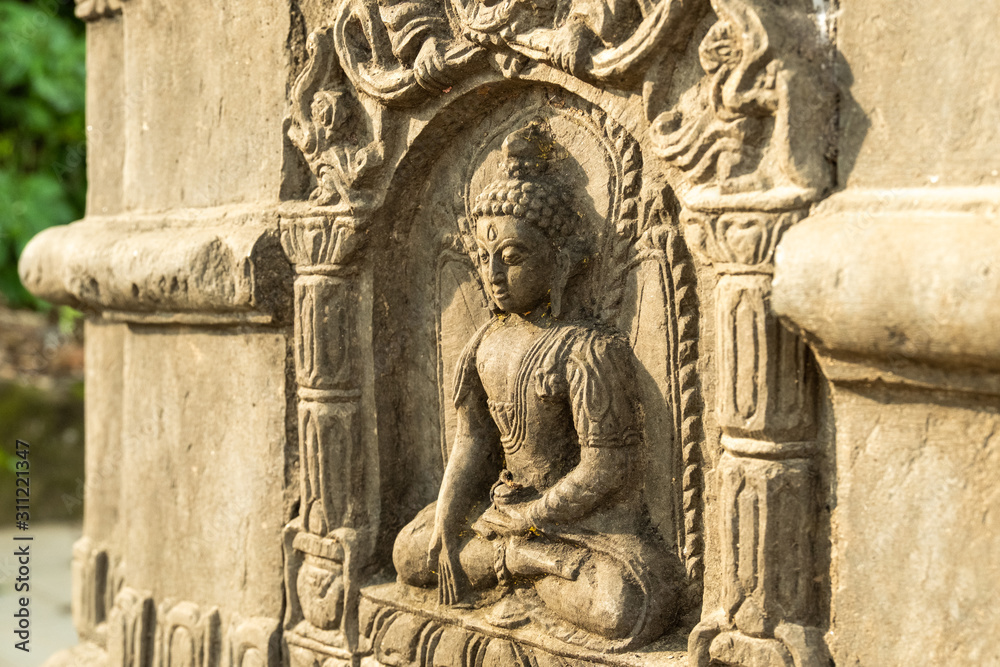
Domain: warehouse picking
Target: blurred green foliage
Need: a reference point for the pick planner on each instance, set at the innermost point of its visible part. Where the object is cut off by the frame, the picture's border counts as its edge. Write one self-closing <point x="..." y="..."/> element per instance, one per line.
<point x="42" y="137"/>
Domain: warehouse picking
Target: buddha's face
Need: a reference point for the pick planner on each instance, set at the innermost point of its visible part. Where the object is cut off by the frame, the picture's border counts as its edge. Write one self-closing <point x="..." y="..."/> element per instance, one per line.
<point x="517" y="263"/>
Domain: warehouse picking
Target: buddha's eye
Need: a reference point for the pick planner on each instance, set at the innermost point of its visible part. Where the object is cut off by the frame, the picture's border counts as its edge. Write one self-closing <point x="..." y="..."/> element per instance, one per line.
<point x="483" y="257"/>
<point x="511" y="257"/>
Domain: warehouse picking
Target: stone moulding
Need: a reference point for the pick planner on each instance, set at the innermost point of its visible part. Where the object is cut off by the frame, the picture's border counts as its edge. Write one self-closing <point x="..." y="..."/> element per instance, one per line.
<point x="930" y="323"/>
<point x="199" y="267"/>
<point x="92" y="10"/>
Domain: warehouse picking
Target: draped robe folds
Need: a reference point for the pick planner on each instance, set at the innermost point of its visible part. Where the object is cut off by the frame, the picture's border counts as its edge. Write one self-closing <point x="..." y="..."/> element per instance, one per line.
<point x="575" y="390"/>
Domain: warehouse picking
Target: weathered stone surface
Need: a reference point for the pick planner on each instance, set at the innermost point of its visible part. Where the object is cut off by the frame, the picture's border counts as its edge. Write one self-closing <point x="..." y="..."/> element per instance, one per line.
<point x="917" y="526"/>
<point x="217" y="542"/>
<point x="931" y="118"/>
<point x="702" y="402"/>
<point x="204" y="98"/>
<point x="226" y="262"/>
<point x="106" y="113"/>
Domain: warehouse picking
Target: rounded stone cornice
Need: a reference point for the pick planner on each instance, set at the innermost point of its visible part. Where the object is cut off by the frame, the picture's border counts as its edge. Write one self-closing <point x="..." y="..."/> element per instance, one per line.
<point x="906" y="279"/>
<point x="203" y="264"/>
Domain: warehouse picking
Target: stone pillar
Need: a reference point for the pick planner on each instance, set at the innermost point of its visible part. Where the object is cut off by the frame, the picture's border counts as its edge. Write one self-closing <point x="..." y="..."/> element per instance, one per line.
<point x="179" y="270"/>
<point x="765" y="404"/>
<point x="747" y="156"/>
<point x="894" y="282"/>
<point x="338" y="459"/>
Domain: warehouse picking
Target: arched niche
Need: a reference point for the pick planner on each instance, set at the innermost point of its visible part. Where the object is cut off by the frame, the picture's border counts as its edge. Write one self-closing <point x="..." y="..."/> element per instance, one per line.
<point x="428" y="301"/>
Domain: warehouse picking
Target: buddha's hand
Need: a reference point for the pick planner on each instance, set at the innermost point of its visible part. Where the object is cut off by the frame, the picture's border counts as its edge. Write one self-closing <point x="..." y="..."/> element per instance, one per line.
<point x="509" y="519"/>
<point x="442" y="557"/>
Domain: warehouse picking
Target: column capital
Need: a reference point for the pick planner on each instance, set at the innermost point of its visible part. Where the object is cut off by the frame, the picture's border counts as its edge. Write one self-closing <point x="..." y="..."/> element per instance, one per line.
<point x="323" y="241"/>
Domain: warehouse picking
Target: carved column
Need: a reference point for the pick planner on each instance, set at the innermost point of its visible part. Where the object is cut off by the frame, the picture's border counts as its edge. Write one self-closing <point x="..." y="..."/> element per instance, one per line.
<point x="746" y="150"/>
<point x="332" y="535"/>
<point x="765" y="406"/>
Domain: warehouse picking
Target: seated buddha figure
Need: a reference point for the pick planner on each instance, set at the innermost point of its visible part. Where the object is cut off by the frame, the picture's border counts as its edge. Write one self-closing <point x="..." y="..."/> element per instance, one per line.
<point x="540" y="516"/>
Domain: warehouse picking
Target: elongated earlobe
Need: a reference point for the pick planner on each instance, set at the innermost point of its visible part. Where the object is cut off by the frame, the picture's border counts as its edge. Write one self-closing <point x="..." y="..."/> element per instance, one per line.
<point x="563" y="269"/>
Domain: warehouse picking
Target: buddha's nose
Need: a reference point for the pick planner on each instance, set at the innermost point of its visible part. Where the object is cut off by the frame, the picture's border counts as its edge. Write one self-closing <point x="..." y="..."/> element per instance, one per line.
<point x="497" y="274"/>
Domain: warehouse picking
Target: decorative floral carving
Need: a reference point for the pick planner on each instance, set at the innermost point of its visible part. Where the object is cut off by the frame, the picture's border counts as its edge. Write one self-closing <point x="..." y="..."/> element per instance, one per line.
<point x="758" y="120"/>
<point x="738" y="241"/>
<point x="318" y="244"/>
<point x="326" y="122"/>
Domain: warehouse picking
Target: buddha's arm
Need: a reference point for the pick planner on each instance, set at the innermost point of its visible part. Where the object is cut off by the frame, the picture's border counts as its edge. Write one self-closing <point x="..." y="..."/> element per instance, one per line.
<point x="465" y="477"/>
<point x="601" y="473"/>
<point x="599" y="374"/>
<point x="471" y="467"/>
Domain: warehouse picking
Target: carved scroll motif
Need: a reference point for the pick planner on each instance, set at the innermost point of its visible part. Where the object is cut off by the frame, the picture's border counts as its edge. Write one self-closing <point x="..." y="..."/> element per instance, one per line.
<point x="608" y="41"/>
<point x="753" y="132"/>
<point x="327" y="123"/>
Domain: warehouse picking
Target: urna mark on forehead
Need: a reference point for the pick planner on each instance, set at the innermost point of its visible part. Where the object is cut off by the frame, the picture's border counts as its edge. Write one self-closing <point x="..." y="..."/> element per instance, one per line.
<point x="495" y="232"/>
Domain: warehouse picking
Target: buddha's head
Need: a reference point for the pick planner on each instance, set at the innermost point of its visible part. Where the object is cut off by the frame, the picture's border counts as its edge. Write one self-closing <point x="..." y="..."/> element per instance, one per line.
<point x="527" y="236"/>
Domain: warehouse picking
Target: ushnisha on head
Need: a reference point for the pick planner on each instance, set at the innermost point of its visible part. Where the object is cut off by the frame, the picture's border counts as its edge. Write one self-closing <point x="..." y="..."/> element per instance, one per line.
<point x="528" y="238"/>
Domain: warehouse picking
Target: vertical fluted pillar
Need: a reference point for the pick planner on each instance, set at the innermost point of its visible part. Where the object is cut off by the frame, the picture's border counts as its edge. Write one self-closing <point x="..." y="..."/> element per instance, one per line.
<point x="331" y="538"/>
<point x="747" y="150"/>
<point x="765" y="406"/>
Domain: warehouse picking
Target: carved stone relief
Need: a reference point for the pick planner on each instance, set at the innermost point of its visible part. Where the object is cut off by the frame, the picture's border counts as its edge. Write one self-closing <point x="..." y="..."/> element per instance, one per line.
<point x="517" y="265"/>
<point x="486" y="189"/>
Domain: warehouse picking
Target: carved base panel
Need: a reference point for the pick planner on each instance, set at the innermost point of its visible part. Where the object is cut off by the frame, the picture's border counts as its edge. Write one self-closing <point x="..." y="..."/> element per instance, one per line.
<point x="407" y="628"/>
<point x="712" y="645"/>
<point x="304" y="650"/>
